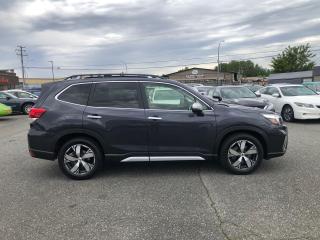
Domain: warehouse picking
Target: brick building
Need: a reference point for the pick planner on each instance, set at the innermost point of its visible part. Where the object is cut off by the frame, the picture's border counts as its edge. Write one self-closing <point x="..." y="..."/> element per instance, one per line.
<point x="8" y="80"/>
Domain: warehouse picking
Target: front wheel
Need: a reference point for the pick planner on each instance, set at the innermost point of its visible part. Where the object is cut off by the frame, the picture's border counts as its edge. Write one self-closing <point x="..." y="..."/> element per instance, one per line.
<point x="287" y="113"/>
<point x="241" y="153"/>
<point x="80" y="158"/>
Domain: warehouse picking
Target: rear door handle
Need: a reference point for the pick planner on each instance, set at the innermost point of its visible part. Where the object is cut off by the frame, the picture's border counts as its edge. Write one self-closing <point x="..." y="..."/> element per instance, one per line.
<point x="155" y="118"/>
<point x="94" y="116"/>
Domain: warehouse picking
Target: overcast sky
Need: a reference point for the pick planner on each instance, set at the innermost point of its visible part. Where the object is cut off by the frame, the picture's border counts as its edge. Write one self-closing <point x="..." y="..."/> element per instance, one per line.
<point x="167" y="34"/>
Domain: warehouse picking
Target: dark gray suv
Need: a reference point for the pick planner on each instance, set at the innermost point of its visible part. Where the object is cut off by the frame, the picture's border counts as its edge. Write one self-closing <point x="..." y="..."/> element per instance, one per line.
<point x="86" y="120"/>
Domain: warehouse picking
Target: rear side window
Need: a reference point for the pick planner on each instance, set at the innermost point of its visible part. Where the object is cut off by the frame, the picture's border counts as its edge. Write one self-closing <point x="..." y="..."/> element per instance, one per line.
<point x="116" y="94"/>
<point x="77" y="94"/>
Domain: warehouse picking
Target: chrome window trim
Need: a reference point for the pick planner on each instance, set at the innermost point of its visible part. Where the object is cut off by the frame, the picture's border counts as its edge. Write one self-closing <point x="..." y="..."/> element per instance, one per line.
<point x="74" y="84"/>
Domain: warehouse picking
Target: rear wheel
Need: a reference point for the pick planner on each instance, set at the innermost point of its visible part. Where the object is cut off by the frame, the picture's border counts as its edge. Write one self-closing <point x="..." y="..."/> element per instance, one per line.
<point x="26" y="108"/>
<point x="80" y="158"/>
<point x="241" y="153"/>
<point x="287" y="113"/>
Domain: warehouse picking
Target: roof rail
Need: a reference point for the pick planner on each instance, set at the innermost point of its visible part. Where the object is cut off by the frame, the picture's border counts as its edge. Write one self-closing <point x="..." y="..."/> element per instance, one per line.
<point x="110" y="75"/>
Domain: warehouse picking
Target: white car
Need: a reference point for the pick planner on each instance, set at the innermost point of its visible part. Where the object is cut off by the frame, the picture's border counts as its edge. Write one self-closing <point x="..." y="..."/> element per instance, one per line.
<point x="293" y="101"/>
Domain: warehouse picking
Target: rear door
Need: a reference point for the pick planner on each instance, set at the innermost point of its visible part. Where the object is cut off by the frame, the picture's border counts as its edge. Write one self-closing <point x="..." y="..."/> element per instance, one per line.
<point x="174" y="130"/>
<point x="115" y="111"/>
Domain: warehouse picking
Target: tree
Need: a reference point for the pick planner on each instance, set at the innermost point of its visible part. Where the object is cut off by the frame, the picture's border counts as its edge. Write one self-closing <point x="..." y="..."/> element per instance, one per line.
<point x="246" y="68"/>
<point x="293" y="59"/>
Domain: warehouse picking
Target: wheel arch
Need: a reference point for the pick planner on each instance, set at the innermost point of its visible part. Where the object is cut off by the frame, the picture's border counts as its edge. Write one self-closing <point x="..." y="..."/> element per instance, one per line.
<point x="262" y="137"/>
<point x="77" y="134"/>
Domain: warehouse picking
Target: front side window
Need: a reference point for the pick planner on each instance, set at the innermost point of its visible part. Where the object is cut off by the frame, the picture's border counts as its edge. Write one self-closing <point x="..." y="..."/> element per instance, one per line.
<point x="116" y="94"/>
<point x="164" y="96"/>
<point x="297" y="91"/>
<point x="77" y="94"/>
<point x="272" y="90"/>
<point x="23" y="95"/>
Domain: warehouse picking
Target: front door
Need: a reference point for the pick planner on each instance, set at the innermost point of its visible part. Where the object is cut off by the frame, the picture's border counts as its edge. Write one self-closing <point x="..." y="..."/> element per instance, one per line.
<point x="174" y="130"/>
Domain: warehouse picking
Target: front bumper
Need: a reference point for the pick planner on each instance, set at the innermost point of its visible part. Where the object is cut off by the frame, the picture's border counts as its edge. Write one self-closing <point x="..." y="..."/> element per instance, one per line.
<point x="306" y="113"/>
<point x="278" y="142"/>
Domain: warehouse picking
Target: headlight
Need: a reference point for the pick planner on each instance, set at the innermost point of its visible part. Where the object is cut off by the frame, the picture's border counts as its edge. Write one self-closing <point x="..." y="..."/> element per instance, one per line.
<point x="306" y="105"/>
<point x="273" y="118"/>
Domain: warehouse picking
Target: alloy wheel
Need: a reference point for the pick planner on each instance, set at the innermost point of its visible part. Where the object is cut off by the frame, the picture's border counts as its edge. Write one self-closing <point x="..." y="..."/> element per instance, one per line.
<point x="79" y="159"/>
<point x="288" y="114"/>
<point x="243" y="154"/>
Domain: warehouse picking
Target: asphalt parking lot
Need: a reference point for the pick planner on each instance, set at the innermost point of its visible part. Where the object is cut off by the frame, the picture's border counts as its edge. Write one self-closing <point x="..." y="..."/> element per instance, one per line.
<point x="185" y="200"/>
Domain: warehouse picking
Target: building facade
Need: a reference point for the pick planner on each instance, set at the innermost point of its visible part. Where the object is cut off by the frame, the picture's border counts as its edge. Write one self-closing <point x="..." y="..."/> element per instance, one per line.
<point x="295" y="77"/>
<point x="204" y="76"/>
<point x="8" y="79"/>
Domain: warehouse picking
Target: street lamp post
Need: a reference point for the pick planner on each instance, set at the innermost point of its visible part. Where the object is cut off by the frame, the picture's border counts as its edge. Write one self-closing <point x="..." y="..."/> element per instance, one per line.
<point x="218" y="78"/>
<point x="52" y="70"/>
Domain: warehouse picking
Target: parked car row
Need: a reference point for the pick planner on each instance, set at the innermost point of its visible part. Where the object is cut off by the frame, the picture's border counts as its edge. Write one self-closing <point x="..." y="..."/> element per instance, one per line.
<point x="18" y="101"/>
<point x="291" y="101"/>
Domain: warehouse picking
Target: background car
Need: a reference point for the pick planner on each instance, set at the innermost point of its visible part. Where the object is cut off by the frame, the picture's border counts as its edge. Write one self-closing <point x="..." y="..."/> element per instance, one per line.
<point x="315" y="86"/>
<point x="5" y="110"/>
<point x="21" y="93"/>
<point x="35" y="91"/>
<point x="293" y="101"/>
<point x="20" y="105"/>
<point x="240" y="95"/>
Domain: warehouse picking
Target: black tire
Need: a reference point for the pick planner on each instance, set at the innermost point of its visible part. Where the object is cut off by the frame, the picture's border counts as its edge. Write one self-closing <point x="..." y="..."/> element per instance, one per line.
<point x="26" y="108"/>
<point x="93" y="163"/>
<point x="287" y="113"/>
<point x="228" y="159"/>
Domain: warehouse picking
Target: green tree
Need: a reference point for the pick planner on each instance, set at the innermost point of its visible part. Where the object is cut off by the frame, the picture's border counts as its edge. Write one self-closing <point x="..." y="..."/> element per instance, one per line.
<point x="293" y="59"/>
<point x="246" y="68"/>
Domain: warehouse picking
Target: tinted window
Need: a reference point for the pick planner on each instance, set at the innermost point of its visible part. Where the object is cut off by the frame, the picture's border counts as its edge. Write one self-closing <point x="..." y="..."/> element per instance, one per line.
<point x="23" y="95"/>
<point x="272" y="90"/>
<point x="76" y="94"/>
<point x="116" y="94"/>
<point x="163" y="96"/>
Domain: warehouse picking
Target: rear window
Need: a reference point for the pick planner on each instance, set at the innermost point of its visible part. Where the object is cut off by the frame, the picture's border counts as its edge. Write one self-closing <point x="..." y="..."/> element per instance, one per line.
<point x="77" y="94"/>
<point x="116" y="94"/>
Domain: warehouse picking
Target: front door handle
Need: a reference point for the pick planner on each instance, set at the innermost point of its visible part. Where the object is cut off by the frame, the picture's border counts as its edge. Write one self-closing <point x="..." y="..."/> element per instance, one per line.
<point x="94" y="116"/>
<point x="155" y="118"/>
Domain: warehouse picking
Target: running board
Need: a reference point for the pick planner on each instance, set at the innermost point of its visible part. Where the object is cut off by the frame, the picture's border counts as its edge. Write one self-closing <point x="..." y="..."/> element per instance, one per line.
<point x="162" y="158"/>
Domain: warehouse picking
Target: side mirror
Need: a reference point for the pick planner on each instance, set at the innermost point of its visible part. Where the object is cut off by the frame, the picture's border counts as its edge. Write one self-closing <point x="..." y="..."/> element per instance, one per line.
<point x="197" y="108"/>
<point x="276" y="95"/>
<point x="8" y="98"/>
<point x="258" y="94"/>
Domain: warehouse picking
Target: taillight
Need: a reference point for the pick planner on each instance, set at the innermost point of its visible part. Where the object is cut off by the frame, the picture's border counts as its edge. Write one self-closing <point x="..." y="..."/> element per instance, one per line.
<point x="36" y="112"/>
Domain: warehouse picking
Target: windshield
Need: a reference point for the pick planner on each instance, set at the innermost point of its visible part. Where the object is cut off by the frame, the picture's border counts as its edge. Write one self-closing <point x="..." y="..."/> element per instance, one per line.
<point x="314" y="87"/>
<point x="236" y="92"/>
<point x="297" y="91"/>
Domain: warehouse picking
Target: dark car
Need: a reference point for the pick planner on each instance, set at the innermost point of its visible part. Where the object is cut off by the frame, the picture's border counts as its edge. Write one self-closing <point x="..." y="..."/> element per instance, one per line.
<point x="18" y="105"/>
<point x="134" y="118"/>
<point x="240" y="95"/>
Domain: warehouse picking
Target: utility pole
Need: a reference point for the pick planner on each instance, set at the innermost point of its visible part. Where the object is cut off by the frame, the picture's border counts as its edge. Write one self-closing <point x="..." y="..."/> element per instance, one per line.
<point x="218" y="78"/>
<point x="52" y="69"/>
<point x="21" y="52"/>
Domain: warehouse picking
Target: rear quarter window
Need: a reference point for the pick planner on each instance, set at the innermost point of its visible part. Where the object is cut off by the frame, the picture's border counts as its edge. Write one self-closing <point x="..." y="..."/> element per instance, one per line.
<point x="77" y="94"/>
